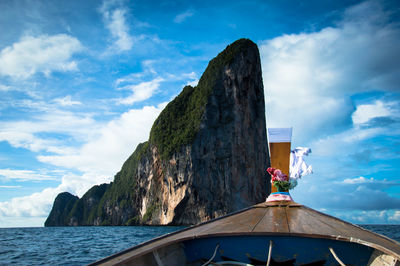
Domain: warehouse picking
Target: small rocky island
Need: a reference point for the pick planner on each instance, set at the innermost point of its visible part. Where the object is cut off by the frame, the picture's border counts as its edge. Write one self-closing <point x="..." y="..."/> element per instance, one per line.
<point x="206" y="156"/>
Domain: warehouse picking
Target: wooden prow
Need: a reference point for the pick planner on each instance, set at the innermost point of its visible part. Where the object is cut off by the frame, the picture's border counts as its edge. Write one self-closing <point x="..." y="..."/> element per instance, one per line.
<point x="279" y="148"/>
<point x="280" y="156"/>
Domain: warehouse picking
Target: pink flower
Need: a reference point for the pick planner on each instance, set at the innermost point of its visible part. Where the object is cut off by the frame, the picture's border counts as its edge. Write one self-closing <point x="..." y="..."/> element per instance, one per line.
<point x="280" y="176"/>
<point x="271" y="170"/>
<point x="277" y="175"/>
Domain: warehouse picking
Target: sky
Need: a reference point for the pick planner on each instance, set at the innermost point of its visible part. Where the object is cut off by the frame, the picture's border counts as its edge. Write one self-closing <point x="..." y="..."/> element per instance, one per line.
<point x="81" y="83"/>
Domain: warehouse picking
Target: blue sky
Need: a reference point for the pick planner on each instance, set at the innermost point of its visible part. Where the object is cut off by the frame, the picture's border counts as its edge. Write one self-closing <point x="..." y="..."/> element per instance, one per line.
<point x="81" y="83"/>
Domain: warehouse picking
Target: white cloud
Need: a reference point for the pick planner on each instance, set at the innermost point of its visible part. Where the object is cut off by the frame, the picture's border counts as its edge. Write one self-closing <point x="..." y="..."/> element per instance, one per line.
<point x="25" y="134"/>
<point x="296" y="85"/>
<point x="114" y="19"/>
<point x="10" y="186"/>
<point x="192" y="76"/>
<point x="131" y="78"/>
<point x="310" y="80"/>
<point x="193" y="83"/>
<point x="346" y="196"/>
<point x="39" y="204"/>
<point x="43" y="54"/>
<point x="24" y="140"/>
<point x="369" y="217"/>
<point x="98" y="160"/>
<point x="369" y="120"/>
<point x="21" y="221"/>
<point x="66" y="101"/>
<point x="310" y="77"/>
<point x="105" y="153"/>
<point x="119" y="30"/>
<point x="358" y="180"/>
<point x="395" y="218"/>
<point x="137" y="77"/>
<point x="366" y="112"/>
<point x="183" y="16"/>
<point x="36" y="204"/>
<point x="141" y="91"/>
<point x="365" y="217"/>
<point x="4" y="87"/>
<point x="25" y="175"/>
<point x="370" y="183"/>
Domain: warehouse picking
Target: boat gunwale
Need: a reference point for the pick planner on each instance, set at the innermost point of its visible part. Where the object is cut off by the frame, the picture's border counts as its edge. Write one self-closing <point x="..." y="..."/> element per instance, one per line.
<point x="233" y="234"/>
<point x="259" y="205"/>
<point x="200" y="235"/>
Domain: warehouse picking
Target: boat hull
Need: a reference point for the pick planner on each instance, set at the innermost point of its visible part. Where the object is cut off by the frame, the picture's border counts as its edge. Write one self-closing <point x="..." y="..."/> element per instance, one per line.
<point x="299" y="250"/>
<point x="284" y="233"/>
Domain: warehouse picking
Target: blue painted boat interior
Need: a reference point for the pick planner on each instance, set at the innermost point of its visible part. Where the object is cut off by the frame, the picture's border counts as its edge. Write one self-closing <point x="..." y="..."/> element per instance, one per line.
<point x="304" y="250"/>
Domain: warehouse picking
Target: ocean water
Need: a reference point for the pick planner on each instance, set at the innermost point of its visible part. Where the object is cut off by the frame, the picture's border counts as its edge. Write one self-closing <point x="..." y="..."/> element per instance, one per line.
<point x="389" y="230"/>
<point x="82" y="245"/>
<point x="71" y="245"/>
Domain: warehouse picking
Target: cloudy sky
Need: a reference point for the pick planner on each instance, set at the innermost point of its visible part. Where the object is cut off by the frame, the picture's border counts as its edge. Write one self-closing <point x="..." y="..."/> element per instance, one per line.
<point x="81" y="83"/>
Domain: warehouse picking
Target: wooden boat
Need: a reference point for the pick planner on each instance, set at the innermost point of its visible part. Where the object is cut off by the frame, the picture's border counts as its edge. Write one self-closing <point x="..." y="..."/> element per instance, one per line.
<point x="269" y="233"/>
<point x="285" y="233"/>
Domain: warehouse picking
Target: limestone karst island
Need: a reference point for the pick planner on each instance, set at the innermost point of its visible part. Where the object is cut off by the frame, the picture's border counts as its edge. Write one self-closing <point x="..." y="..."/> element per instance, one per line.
<point x="206" y="155"/>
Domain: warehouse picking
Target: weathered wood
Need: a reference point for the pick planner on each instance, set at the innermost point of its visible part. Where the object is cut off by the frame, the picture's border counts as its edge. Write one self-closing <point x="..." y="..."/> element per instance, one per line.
<point x="378" y="259"/>
<point x="269" y="218"/>
<point x="300" y="222"/>
<point x="242" y="222"/>
<point x="280" y="158"/>
<point x="274" y="221"/>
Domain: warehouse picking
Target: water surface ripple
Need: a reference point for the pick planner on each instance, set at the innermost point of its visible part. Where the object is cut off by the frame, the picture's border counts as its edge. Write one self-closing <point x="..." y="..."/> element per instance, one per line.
<point x="82" y="245"/>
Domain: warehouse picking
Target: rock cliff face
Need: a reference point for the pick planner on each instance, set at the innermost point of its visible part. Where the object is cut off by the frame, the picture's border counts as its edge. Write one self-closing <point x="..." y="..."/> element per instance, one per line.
<point x="62" y="206"/>
<point x="206" y="156"/>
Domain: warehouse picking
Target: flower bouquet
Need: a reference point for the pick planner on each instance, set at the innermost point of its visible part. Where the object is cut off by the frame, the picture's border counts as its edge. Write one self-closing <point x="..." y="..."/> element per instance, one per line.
<point x="280" y="180"/>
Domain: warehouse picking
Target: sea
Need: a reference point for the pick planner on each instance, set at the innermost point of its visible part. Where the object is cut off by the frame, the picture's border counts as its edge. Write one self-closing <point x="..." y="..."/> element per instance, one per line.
<point x="83" y="245"/>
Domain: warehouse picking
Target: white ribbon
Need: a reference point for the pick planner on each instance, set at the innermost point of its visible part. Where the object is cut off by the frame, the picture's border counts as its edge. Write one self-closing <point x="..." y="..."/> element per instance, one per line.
<point x="298" y="166"/>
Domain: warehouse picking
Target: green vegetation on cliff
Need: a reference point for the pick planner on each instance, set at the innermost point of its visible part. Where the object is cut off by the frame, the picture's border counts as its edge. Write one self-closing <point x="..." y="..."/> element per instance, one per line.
<point x="179" y="122"/>
<point x="70" y="210"/>
<point x="85" y="209"/>
<point x="62" y="206"/>
<point x="176" y="126"/>
<point x="121" y="191"/>
<point x="125" y="180"/>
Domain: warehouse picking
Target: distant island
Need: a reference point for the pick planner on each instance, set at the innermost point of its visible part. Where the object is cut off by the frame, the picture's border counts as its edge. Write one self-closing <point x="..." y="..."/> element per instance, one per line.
<point x="206" y="155"/>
